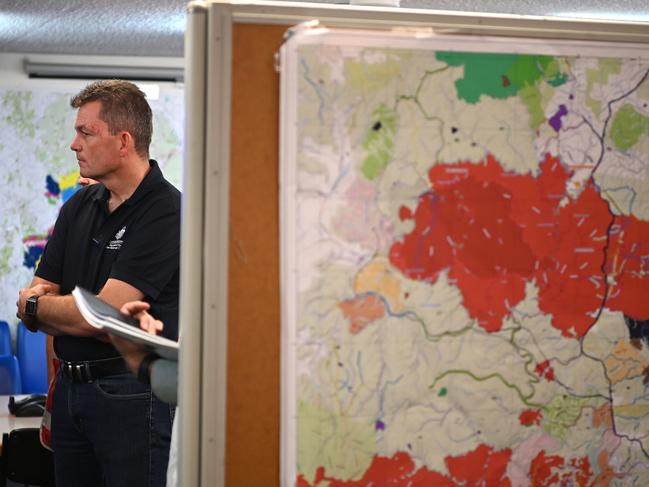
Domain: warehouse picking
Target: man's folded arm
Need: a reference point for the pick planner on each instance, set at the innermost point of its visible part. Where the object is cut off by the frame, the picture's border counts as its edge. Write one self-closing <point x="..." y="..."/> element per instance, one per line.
<point x="59" y="315"/>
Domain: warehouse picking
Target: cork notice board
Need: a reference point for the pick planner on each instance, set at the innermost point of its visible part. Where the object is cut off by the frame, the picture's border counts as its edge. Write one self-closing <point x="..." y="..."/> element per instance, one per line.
<point x="253" y="391"/>
<point x="252" y="436"/>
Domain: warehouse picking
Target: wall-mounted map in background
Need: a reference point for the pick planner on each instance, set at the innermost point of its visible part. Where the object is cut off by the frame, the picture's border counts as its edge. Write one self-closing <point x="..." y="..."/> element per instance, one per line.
<point x="39" y="172"/>
<point x="466" y="248"/>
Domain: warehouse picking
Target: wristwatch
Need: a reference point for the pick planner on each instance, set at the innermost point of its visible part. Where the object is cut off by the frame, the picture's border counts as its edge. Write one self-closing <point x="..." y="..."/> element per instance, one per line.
<point x="31" y="306"/>
<point x="144" y="370"/>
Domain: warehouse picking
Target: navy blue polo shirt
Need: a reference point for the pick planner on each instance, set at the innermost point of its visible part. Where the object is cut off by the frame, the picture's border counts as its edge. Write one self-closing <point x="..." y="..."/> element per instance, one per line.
<point x="138" y="243"/>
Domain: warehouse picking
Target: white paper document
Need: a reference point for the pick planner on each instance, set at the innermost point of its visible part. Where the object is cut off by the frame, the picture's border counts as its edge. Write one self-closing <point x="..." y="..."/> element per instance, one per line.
<point x="104" y="316"/>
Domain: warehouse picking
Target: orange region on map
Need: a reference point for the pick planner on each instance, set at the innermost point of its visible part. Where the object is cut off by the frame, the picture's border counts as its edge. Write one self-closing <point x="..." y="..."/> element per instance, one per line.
<point x="472" y="468"/>
<point x="602" y="416"/>
<point x="624" y="362"/>
<point x="362" y="310"/>
<point x="607" y="475"/>
<point x="378" y="277"/>
<point x="494" y="231"/>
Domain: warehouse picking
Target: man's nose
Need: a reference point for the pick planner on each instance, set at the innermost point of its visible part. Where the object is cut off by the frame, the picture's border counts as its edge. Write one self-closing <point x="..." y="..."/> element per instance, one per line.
<point x="74" y="145"/>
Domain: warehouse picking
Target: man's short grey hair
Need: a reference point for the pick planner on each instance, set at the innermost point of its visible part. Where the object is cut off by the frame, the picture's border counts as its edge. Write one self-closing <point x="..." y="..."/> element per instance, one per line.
<point x="123" y="108"/>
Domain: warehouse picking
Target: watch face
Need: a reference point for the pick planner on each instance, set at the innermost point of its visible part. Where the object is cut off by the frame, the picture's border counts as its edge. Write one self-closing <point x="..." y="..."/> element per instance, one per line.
<point x="30" y="306"/>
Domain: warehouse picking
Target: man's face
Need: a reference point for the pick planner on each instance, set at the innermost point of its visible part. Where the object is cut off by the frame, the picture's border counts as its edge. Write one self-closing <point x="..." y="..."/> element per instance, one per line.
<point x="97" y="150"/>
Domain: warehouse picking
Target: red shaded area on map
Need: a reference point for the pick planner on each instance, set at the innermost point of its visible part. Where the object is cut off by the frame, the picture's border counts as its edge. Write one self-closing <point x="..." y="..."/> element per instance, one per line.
<point x="530" y="417"/>
<point x="546" y="471"/>
<point x="482" y="466"/>
<point x="494" y="231"/>
<point x="545" y="370"/>
<point x="628" y="267"/>
<point x="361" y="311"/>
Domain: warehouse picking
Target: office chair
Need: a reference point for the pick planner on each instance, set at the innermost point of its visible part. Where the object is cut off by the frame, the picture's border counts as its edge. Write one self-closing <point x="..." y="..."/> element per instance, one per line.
<point x="9" y="375"/>
<point x="24" y="460"/>
<point x="5" y="339"/>
<point x="32" y="359"/>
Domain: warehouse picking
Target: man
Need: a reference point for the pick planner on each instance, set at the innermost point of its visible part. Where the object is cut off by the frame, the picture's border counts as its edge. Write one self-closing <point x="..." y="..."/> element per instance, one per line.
<point x="120" y="240"/>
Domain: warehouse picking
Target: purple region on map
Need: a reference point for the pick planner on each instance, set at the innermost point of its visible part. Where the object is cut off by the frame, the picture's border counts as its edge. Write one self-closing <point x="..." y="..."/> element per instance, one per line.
<point x="555" y="121"/>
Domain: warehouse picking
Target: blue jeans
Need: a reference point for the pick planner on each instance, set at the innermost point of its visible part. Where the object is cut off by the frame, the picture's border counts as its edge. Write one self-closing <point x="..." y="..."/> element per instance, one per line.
<point x="112" y="432"/>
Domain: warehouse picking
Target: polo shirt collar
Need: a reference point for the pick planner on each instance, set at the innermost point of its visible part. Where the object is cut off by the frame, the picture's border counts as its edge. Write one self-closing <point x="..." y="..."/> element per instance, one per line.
<point x="150" y="181"/>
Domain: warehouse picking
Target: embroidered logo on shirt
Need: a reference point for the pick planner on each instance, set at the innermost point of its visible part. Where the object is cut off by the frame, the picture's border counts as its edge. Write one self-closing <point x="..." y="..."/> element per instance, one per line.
<point x="117" y="241"/>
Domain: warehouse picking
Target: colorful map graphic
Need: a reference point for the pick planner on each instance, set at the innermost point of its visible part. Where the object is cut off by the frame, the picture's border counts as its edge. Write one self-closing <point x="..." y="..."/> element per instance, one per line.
<point x="467" y="246"/>
<point x="64" y="189"/>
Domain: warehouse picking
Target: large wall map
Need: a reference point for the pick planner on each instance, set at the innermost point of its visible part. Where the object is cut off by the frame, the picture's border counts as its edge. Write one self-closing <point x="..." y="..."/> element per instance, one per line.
<point x="39" y="172"/>
<point x="466" y="249"/>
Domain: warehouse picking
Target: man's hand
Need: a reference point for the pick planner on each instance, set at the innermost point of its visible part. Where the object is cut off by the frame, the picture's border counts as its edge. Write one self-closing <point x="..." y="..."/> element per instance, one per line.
<point x="133" y="353"/>
<point x="86" y="181"/>
<point x="138" y="310"/>
<point x="38" y="290"/>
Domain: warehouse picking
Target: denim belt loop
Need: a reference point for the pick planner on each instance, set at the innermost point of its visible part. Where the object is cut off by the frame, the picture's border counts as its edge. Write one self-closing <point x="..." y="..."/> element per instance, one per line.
<point x="83" y="372"/>
<point x="79" y="371"/>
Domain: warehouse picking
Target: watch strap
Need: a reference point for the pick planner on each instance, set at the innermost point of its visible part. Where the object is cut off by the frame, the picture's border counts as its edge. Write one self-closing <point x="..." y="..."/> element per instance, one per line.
<point x="31" y="305"/>
<point x="143" y="369"/>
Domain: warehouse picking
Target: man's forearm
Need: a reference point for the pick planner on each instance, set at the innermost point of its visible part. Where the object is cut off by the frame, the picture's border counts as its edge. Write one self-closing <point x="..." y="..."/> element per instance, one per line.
<point x="58" y="315"/>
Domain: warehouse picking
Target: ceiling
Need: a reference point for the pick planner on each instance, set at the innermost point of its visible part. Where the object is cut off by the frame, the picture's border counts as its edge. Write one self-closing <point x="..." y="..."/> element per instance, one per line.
<point x="156" y="27"/>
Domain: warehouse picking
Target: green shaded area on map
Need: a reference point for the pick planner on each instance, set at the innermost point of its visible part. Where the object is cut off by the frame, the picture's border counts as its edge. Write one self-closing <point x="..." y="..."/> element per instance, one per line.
<point x="628" y="126"/>
<point x="562" y="413"/>
<point x="340" y="435"/>
<point x="501" y="76"/>
<point x="379" y="141"/>
<point x="599" y="77"/>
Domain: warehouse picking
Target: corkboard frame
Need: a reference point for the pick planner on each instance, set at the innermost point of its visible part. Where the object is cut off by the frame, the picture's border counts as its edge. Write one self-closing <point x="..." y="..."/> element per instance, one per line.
<point x="231" y="361"/>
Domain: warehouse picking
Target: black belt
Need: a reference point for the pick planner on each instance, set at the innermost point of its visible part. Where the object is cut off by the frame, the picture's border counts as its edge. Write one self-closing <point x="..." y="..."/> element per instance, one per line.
<point x="90" y="370"/>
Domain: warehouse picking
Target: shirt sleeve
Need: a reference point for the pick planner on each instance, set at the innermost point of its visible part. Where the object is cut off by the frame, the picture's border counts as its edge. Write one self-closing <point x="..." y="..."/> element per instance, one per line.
<point x="50" y="266"/>
<point x="150" y="255"/>
<point x="164" y="380"/>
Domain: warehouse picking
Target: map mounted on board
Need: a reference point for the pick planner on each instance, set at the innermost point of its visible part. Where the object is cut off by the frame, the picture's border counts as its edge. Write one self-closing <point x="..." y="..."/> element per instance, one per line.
<point x="465" y="252"/>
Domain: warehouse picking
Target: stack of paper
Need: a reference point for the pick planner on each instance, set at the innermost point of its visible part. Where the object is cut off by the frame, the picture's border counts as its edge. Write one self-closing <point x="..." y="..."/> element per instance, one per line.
<point x="102" y="315"/>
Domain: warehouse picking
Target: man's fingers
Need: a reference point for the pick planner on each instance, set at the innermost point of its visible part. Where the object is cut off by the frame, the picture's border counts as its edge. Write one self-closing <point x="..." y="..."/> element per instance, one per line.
<point x="42" y="289"/>
<point x="151" y="325"/>
<point x="86" y="181"/>
<point x="138" y="309"/>
<point x="134" y="307"/>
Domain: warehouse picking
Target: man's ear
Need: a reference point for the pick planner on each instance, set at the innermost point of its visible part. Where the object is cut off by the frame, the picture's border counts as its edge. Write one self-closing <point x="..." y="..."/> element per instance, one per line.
<point x="126" y="143"/>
